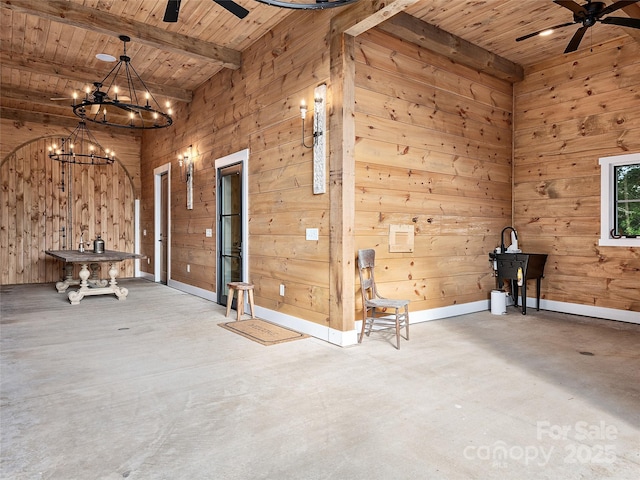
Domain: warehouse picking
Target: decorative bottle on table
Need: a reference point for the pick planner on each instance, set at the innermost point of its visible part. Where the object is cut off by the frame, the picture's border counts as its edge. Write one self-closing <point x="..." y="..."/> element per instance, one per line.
<point x="98" y="245"/>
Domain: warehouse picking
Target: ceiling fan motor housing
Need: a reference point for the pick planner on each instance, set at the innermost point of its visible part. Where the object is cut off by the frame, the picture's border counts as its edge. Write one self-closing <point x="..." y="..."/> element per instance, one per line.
<point x="590" y="15"/>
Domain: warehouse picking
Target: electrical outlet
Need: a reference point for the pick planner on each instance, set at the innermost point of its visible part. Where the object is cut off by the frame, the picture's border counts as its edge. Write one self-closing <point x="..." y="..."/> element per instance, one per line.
<point x="282" y="290"/>
<point x="188" y="268"/>
<point x="208" y="232"/>
<point x="312" y="234"/>
<point x="144" y="232"/>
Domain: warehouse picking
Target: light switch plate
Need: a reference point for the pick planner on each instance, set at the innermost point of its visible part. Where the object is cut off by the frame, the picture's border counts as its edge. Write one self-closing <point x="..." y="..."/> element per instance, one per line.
<point x="312" y="234"/>
<point x="209" y="232"/>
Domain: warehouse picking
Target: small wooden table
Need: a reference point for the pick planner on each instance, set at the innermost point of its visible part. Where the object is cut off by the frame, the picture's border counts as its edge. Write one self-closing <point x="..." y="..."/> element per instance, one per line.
<point x="89" y="282"/>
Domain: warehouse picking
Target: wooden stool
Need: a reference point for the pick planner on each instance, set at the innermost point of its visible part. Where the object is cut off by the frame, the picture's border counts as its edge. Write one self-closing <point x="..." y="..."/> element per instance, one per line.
<point x="240" y="287"/>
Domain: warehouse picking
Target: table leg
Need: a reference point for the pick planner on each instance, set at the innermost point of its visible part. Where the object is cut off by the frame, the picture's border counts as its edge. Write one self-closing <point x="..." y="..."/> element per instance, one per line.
<point x="75" y="297"/>
<point x="120" y="292"/>
<point x="95" y="280"/>
<point x="68" y="278"/>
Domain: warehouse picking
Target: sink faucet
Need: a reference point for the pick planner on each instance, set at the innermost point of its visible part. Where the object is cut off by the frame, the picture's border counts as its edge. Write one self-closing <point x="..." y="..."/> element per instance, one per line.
<point x="502" y="248"/>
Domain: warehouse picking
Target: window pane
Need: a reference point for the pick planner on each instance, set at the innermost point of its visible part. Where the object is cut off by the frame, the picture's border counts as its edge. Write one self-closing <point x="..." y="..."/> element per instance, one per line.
<point x="627" y="208"/>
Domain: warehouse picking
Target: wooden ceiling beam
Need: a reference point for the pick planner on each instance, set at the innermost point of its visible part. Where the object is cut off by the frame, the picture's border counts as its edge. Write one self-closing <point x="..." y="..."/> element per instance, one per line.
<point x="82" y="74"/>
<point x="70" y="13"/>
<point x="366" y="15"/>
<point x="23" y="116"/>
<point x="416" y="31"/>
<point x="44" y="98"/>
<point x="32" y="96"/>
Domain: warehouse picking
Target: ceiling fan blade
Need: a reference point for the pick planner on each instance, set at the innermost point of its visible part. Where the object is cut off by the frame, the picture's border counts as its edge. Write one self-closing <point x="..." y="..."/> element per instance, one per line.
<point x="519" y="39"/>
<point x="571" y="5"/>
<point x="616" y="5"/>
<point x="622" y="21"/>
<point x="238" y="10"/>
<point x="575" y="41"/>
<point x="171" y="12"/>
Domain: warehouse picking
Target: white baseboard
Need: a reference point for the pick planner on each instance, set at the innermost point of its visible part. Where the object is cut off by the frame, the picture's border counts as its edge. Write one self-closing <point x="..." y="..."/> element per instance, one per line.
<point x="197" y="291"/>
<point x="586" y="310"/>
<point x="446" y="312"/>
<point x="146" y="276"/>
<point x="331" y="335"/>
<point x="350" y="337"/>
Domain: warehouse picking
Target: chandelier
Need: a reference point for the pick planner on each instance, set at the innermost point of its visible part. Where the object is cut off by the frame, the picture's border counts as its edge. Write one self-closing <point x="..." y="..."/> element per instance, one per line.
<point x="117" y="99"/>
<point x="81" y="147"/>
<point x="307" y="4"/>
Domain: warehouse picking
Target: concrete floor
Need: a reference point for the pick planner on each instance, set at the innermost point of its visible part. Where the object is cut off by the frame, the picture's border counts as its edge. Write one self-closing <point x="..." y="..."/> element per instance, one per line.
<point x="151" y="388"/>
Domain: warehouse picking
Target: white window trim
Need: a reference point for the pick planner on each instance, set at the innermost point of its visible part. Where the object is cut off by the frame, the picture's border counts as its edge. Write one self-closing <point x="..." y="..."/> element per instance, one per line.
<point x="606" y="200"/>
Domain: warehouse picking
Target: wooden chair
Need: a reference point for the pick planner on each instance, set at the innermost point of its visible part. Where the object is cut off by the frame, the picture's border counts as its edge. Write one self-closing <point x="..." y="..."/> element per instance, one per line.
<point x="240" y="287"/>
<point x="373" y="303"/>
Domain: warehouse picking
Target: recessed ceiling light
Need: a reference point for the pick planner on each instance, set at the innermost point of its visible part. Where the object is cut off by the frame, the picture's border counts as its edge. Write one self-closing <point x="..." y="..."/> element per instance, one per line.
<point x="105" y="57"/>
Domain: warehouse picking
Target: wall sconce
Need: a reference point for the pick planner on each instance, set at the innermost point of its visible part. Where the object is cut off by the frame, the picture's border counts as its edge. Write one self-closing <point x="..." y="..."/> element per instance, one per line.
<point x="319" y="137"/>
<point x="185" y="161"/>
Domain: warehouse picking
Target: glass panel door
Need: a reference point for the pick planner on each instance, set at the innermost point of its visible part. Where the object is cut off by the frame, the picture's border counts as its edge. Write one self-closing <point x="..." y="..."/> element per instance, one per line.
<point x="229" y="229"/>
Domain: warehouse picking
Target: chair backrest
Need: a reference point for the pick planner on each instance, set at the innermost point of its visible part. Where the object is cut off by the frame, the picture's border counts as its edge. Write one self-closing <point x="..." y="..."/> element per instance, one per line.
<point x="366" y="264"/>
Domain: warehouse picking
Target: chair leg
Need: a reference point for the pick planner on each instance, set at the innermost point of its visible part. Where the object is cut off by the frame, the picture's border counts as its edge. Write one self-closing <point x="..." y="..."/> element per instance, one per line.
<point x="240" y="306"/>
<point x="364" y="324"/>
<point x="372" y="320"/>
<point x="229" y="300"/>
<point x="398" y="328"/>
<point x="251" y="306"/>
<point x="406" y="319"/>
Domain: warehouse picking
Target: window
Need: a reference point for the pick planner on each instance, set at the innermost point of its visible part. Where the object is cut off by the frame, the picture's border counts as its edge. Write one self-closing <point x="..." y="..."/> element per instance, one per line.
<point x="620" y="200"/>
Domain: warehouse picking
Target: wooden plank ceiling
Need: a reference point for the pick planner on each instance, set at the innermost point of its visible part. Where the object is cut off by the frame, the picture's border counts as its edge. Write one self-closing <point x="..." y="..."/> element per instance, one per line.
<point x="49" y="47"/>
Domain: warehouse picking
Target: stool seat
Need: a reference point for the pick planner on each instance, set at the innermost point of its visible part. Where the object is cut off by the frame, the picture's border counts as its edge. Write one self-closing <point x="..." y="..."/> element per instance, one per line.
<point x="240" y="287"/>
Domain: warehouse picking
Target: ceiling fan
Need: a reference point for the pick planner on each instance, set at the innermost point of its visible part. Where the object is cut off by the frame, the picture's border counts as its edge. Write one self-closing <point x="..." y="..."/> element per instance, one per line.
<point x="173" y="8"/>
<point x="588" y="15"/>
<point x="95" y="108"/>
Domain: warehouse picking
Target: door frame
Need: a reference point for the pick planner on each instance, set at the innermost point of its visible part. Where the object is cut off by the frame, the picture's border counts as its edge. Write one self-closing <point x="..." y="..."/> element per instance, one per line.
<point x="241" y="157"/>
<point x="157" y="191"/>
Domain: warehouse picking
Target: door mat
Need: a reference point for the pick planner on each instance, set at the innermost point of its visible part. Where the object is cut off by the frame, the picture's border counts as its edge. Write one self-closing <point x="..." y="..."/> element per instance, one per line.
<point x="262" y="331"/>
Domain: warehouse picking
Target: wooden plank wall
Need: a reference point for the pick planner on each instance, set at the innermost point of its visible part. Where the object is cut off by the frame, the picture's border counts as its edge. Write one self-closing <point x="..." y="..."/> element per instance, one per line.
<point x="571" y="112"/>
<point x="19" y="129"/>
<point x="434" y="151"/>
<point x="33" y="210"/>
<point x="255" y="107"/>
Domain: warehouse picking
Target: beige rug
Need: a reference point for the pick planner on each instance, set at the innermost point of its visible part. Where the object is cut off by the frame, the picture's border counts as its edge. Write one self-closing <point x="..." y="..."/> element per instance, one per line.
<point x="262" y="331"/>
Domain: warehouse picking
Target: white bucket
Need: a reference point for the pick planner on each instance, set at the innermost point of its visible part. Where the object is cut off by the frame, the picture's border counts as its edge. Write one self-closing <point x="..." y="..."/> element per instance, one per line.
<point x="498" y="302"/>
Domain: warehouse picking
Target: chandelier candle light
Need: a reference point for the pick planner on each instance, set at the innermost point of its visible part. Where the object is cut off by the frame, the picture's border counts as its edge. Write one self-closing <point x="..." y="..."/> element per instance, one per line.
<point x="81" y="147"/>
<point x="121" y="104"/>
